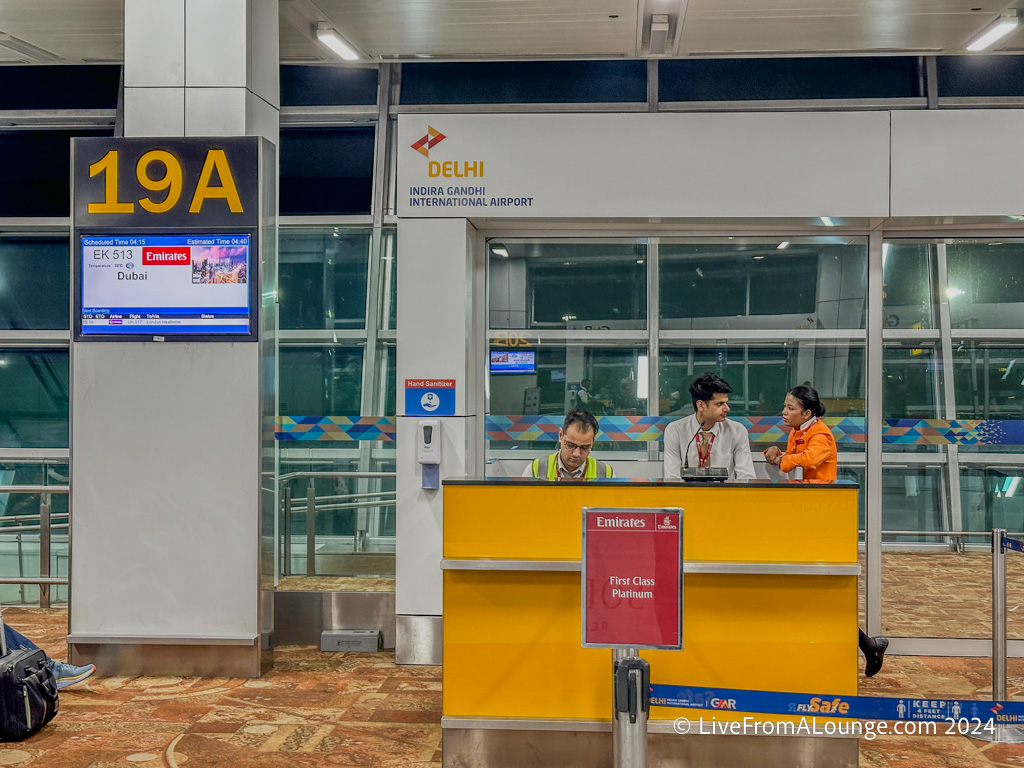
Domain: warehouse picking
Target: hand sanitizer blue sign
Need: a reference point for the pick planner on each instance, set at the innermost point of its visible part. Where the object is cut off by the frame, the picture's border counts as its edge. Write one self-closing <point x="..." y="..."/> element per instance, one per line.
<point x="430" y="397"/>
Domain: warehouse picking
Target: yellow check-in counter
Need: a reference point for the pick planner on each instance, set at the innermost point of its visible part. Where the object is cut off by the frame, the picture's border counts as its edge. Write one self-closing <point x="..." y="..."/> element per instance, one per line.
<point x="769" y="603"/>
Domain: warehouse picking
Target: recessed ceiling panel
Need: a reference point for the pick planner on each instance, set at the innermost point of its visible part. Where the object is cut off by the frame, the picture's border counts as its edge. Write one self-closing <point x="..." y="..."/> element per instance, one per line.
<point x="70" y="30"/>
<point x="767" y="27"/>
<point x="495" y="28"/>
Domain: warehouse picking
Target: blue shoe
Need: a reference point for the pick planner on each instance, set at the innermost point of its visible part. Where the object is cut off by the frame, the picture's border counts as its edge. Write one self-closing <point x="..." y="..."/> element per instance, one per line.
<point x="69" y="674"/>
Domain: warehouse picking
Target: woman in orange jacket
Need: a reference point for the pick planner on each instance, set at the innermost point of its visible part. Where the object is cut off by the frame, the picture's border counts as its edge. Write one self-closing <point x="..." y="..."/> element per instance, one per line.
<point x="812" y="446"/>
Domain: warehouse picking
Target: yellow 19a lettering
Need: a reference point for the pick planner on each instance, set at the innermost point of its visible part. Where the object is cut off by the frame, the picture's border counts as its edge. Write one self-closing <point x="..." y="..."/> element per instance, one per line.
<point x="172" y="181"/>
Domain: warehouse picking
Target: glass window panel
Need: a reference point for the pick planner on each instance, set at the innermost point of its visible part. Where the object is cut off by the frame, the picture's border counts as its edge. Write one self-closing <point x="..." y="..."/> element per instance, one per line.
<point x="992" y="497"/>
<point x="788" y="78"/>
<point x="320" y="380"/>
<point x="33" y="398"/>
<point x="927" y="590"/>
<point x="912" y="379"/>
<point x="986" y="284"/>
<point x="762" y="283"/>
<point x="524" y="82"/>
<point x="989" y="381"/>
<point x="989" y="384"/>
<point x="569" y="285"/>
<point x="390" y="379"/>
<point x="68" y="86"/>
<point x="614" y="374"/>
<point x="322" y="277"/>
<point x="761" y="375"/>
<point x="326" y="170"/>
<point x="327" y="86"/>
<point x="35" y="283"/>
<point x="980" y="75"/>
<point x="37" y="171"/>
<point x="908" y="293"/>
<point x="388" y="275"/>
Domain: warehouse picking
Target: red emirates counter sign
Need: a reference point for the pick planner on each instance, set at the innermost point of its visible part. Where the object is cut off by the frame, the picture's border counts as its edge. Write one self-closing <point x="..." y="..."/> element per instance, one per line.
<point x="632" y="578"/>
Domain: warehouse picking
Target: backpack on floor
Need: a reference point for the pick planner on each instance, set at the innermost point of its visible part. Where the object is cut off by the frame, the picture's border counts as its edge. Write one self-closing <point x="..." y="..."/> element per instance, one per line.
<point x="28" y="694"/>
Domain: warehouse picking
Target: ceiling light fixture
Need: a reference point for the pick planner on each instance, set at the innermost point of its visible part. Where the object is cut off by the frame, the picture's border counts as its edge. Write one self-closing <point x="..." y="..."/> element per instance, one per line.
<point x="827" y="221"/>
<point x="329" y="36"/>
<point x="659" y="34"/>
<point x="782" y="246"/>
<point x="994" y="32"/>
<point x="499" y="250"/>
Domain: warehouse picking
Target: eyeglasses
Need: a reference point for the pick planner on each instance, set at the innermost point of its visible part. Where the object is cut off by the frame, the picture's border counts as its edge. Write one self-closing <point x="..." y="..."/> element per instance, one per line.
<point x="572" y="447"/>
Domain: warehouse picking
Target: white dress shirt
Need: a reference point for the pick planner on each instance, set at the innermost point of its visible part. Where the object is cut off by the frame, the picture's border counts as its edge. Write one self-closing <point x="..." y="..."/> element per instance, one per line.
<point x="730" y="449"/>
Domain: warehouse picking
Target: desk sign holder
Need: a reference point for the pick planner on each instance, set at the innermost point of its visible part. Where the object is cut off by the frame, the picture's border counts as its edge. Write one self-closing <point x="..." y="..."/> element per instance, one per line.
<point x="632" y="598"/>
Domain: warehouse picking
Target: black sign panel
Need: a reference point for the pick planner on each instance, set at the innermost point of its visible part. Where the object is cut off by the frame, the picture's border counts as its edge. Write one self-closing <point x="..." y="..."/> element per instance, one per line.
<point x="139" y="183"/>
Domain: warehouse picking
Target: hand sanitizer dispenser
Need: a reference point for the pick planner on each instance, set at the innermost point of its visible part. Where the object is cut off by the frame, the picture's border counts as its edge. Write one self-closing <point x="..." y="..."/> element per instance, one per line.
<point x="429" y="452"/>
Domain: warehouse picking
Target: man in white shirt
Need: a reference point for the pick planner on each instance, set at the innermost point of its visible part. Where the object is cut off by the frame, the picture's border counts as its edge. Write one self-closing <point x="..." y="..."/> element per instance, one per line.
<point x="708" y="438"/>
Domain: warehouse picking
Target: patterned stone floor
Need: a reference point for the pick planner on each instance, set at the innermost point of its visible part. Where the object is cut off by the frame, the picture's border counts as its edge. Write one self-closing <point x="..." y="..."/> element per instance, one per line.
<point x="945" y="594"/>
<point x="317" y="710"/>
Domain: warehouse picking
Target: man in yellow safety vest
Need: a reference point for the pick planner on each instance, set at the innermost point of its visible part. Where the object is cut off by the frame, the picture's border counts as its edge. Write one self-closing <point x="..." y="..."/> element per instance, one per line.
<point x="573" y="460"/>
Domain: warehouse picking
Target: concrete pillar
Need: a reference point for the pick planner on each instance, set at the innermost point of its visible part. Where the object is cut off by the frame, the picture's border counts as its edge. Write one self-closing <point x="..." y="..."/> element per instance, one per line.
<point x="169" y="473"/>
<point x="440" y="336"/>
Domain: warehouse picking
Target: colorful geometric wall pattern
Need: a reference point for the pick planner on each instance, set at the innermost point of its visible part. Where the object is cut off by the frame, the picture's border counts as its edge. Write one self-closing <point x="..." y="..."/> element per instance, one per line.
<point x="335" y="428"/>
<point x="762" y="429"/>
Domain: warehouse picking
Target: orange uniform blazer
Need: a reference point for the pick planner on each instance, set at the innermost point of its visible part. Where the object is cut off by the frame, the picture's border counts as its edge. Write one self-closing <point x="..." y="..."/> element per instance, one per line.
<point x="814" y="449"/>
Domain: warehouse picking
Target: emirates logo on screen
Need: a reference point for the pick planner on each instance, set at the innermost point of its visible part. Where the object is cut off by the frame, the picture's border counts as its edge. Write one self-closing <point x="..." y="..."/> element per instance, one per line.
<point x="667" y="523"/>
<point x="177" y="254"/>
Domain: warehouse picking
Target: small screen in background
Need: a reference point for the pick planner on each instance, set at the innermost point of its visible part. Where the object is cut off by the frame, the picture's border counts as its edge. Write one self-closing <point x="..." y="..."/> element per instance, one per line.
<point x="507" y="361"/>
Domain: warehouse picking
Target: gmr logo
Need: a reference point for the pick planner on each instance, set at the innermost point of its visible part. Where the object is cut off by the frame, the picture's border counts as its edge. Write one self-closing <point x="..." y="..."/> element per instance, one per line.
<point x="432" y="139"/>
<point x="449" y="169"/>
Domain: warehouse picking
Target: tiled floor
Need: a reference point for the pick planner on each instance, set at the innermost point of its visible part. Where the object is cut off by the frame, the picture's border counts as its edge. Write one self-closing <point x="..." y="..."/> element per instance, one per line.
<point x="318" y="710"/>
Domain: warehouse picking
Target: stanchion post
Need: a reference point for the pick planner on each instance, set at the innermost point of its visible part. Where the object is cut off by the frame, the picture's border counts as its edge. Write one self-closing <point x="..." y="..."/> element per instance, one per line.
<point x="632" y="685"/>
<point x="1003" y="733"/>
<point x="998" y="615"/>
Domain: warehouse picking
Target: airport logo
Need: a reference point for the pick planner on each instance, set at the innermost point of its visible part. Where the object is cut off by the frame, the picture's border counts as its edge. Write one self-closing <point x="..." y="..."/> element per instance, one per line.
<point x="432" y="138"/>
<point x="717" y="703"/>
<point x="175" y="254"/>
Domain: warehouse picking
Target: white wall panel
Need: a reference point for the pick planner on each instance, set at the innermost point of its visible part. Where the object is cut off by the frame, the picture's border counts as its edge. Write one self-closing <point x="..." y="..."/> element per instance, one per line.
<point x="154" y="111"/>
<point x="216" y="51"/>
<point x="420" y="518"/>
<point x="165" y="456"/>
<point x="215" y="112"/>
<point x="434" y="307"/>
<point x="957" y="163"/>
<point x="154" y="43"/>
<point x="640" y="165"/>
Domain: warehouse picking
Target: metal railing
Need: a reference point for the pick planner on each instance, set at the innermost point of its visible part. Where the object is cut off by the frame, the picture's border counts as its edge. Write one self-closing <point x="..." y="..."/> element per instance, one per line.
<point x="315" y="505"/>
<point x="43" y="523"/>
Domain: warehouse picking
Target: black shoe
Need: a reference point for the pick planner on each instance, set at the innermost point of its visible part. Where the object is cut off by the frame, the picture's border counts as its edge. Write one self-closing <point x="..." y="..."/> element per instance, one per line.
<point x="874" y="661"/>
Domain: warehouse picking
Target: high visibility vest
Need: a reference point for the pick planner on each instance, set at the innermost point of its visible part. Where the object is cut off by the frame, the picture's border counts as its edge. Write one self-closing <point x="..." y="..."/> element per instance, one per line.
<point x="547" y="467"/>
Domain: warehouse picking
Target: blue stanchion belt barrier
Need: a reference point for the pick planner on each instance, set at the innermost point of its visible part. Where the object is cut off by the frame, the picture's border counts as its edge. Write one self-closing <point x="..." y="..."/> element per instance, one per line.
<point x="1013" y="544"/>
<point x="822" y="705"/>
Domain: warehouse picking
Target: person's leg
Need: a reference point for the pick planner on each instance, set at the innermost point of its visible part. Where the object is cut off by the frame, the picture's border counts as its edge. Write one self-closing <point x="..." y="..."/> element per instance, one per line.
<point x="17" y="641"/>
<point x="873" y="649"/>
<point x="65" y="674"/>
<point x="69" y="674"/>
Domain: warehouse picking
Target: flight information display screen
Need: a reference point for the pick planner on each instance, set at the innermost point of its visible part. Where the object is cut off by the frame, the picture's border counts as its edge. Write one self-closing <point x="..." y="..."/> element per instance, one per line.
<point x="166" y="285"/>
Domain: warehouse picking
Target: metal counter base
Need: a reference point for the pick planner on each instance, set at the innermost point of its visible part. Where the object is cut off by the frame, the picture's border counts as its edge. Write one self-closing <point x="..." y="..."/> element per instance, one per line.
<point x="472" y="743"/>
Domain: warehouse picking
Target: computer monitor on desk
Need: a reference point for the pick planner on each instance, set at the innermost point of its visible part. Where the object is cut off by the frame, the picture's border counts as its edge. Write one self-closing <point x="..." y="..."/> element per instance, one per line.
<point x="704" y="474"/>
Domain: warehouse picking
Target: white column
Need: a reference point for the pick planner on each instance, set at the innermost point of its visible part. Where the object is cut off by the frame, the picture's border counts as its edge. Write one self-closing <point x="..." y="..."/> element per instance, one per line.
<point x="440" y="326"/>
<point x="166" y="437"/>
